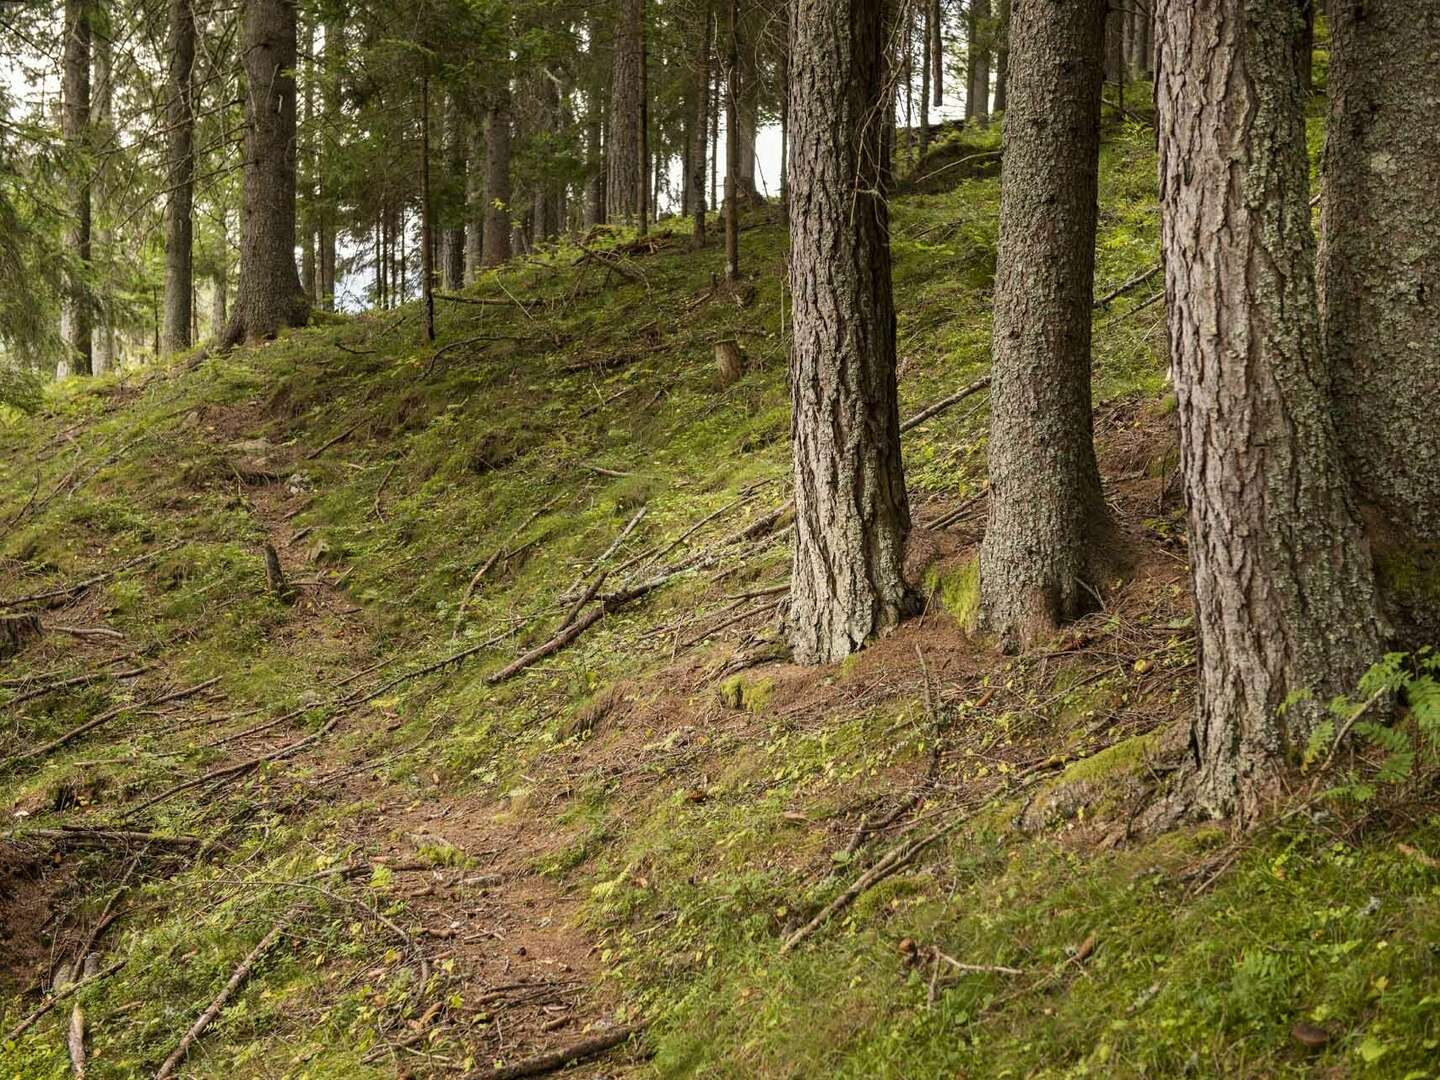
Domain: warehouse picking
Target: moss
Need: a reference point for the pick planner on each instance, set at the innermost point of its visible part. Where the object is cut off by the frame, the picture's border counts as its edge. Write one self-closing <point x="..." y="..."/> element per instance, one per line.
<point x="738" y="692"/>
<point x="959" y="591"/>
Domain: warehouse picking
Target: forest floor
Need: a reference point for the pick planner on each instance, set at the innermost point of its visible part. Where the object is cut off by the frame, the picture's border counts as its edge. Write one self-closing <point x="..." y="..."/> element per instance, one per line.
<point x="460" y="854"/>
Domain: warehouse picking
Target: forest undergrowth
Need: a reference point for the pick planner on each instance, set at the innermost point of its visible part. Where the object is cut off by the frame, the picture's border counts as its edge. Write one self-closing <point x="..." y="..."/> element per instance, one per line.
<point x="508" y="755"/>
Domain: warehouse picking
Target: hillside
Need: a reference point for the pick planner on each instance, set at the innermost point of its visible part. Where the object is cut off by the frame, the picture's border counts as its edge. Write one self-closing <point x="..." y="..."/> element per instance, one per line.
<point x="475" y="853"/>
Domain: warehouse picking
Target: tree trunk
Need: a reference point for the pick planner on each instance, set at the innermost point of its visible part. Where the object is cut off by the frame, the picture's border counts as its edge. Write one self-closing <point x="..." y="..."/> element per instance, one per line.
<point x="1002" y="57"/>
<point x="977" y="100"/>
<point x="699" y="139"/>
<point x="1307" y="43"/>
<point x="269" y="295"/>
<point x="453" y="259"/>
<point x="1284" y="592"/>
<point x="1043" y="556"/>
<point x="334" y="51"/>
<point x="935" y="15"/>
<point x="180" y="180"/>
<point x="427" y="219"/>
<point x="305" y="209"/>
<point x="926" y="52"/>
<point x="626" y="168"/>
<point x="851" y="512"/>
<point x="496" y="248"/>
<point x="1380" y="284"/>
<point x="75" y="317"/>
<point x="474" y="203"/>
<point x="732" y="153"/>
<point x="102" y="120"/>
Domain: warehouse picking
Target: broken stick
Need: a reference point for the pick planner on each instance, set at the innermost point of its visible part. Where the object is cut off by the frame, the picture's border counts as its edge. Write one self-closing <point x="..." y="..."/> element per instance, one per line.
<point x="554" y="1060"/>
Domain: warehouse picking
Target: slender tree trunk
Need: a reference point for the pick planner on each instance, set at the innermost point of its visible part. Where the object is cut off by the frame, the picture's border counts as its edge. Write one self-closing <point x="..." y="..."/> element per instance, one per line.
<point x="715" y="84"/>
<point x="454" y="237"/>
<point x="102" y="120"/>
<point x="75" y="315"/>
<point x="1307" y="42"/>
<point x="926" y="52"/>
<point x="732" y="153"/>
<point x="427" y="219"/>
<point x="695" y="178"/>
<point x="1002" y="57"/>
<point x="334" y="51"/>
<point x="180" y="180"/>
<point x="1043" y="557"/>
<point x="626" y="171"/>
<point x="977" y="105"/>
<point x="1284" y="592"/>
<point x="1380" y="285"/>
<point x="220" y="283"/>
<point x="936" y="17"/>
<point x="474" y="203"/>
<point x="305" y="208"/>
<point x="851" y="512"/>
<point x="269" y="296"/>
<point x="497" y="179"/>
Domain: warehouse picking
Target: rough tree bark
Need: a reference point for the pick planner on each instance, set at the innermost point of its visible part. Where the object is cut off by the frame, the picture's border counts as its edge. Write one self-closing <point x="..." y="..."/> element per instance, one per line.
<point x="1380" y="287"/>
<point x="104" y="355"/>
<point x="851" y="511"/>
<point x="497" y="179"/>
<point x="333" y="52"/>
<point x="1044" y="553"/>
<point x="180" y="180"/>
<point x="453" y="260"/>
<point x="268" y="296"/>
<point x="977" y="97"/>
<point x="699" y="137"/>
<point x="474" y="202"/>
<point x="75" y="318"/>
<point x="305" y="215"/>
<point x="626" y="169"/>
<point x="1002" y="56"/>
<point x="1284" y="591"/>
<point x="732" y="149"/>
<point x="926" y="54"/>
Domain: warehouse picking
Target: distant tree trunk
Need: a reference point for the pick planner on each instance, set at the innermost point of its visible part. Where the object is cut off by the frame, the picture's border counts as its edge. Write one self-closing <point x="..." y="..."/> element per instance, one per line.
<point x="334" y="51"/>
<point x="102" y="119"/>
<point x="1283" y="582"/>
<point x="75" y="317"/>
<point x="695" y="179"/>
<point x="1380" y="286"/>
<point x="221" y="282"/>
<point x="497" y="180"/>
<point x="305" y="209"/>
<point x="269" y="295"/>
<point x="1115" y="43"/>
<point x="1043" y="556"/>
<point x="180" y="180"/>
<point x="732" y="153"/>
<point x="626" y="170"/>
<point x="935" y="15"/>
<point x="427" y="219"/>
<point x="977" y="105"/>
<point x="454" y="242"/>
<point x="1307" y="42"/>
<point x="1002" y="57"/>
<point x="474" y="203"/>
<point x="595" y="158"/>
<point x="851" y="511"/>
<point x="926" y="52"/>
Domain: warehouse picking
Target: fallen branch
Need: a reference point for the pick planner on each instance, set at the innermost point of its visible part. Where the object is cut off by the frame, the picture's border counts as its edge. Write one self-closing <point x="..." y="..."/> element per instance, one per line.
<point x="79" y="836"/>
<point x="977" y="969"/>
<point x="81" y="586"/>
<point x="554" y="1060"/>
<point x="313" y="454"/>
<point x="58" y="996"/>
<point x="554" y="645"/>
<point x="1134" y="283"/>
<point x="240" y="974"/>
<point x="84" y="631"/>
<point x="486" y="301"/>
<point x="494" y="558"/>
<point x="78" y="680"/>
<point x="940" y="406"/>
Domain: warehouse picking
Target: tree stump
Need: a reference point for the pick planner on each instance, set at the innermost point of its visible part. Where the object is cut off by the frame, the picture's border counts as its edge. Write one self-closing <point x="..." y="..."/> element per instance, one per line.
<point x="729" y="361"/>
<point x="274" y="576"/>
<point x="16" y="631"/>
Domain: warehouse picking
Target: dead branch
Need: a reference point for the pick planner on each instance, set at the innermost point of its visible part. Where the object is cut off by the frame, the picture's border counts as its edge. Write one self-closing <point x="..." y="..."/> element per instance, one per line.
<point x="59" y="995"/>
<point x="494" y="558"/>
<point x="81" y="586"/>
<point x="313" y="454"/>
<point x="80" y="836"/>
<point x="940" y="406"/>
<point x="554" y="645"/>
<point x="554" y="1060"/>
<point x="1133" y="283"/>
<point x="78" y="680"/>
<point x="85" y="631"/>
<point x="239" y="975"/>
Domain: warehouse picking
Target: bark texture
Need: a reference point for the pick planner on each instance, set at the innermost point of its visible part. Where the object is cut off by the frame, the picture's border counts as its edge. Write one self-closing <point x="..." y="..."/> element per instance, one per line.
<point x="1043" y="556"/>
<point x="699" y="136"/>
<point x="268" y="296"/>
<point x="474" y="203"/>
<point x="497" y="180"/>
<point x="626" y="168"/>
<point x="1002" y="56"/>
<point x="75" y="314"/>
<point x="1380" y="286"/>
<point x="1283" y="584"/>
<point x="851" y="512"/>
<point x="179" y="205"/>
<point x="977" y="97"/>
<point x="453" y="258"/>
<point x="104" y="353"/>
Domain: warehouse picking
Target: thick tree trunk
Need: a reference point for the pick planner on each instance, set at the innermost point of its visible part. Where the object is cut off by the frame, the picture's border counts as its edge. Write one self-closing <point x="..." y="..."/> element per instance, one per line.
<point x="625" y="160"/>
<point x="699" y="137"/>
<point x="474" y="203"/>
<point x="453" y="257"/>
<point x="497" y="180"/>
<point x="977" y="99"/>
<point x="1044" y="552"/>
<point x="1283" y="581"/>
<point x="1380" y="283"/>
<point x="180" y="180"/>
<point x="269" y="296"/>
<point x="851" y="512"/>
<point x="75" y="314"/>
<point x="102" y="119"/>
<point x="1002" y="56"/>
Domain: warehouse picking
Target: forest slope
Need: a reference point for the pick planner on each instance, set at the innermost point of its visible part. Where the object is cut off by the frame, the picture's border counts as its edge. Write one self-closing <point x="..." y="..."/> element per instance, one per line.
<point x="471" y="864"/>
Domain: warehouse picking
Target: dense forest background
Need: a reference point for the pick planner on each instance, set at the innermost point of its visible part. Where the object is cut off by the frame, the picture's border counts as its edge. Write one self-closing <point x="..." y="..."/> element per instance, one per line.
<point x="719" y="537"/>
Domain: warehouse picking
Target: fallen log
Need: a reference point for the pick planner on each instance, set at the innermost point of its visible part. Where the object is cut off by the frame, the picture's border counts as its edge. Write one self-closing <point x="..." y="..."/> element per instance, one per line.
<point x="554" y="1060"/>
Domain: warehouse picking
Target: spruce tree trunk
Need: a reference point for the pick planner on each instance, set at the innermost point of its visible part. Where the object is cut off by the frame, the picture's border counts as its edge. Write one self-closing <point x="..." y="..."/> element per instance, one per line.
<point x="306" y="216"/>
<point x="1380" y="284"/>
<point x="625" y="161"/>
<point x="269" y="296"/>
<point x="977" y="100"/>
<point x="453" y="256"/>
<point x="496" y="248"/>
<point x="851" y="512"/>
<point x="75" y="315"/>
<point x="925" y="54"/>
<point x="1044" y="554"/>
<point x="732" y="151"/>
<point x="1002" y="56"/>
<point x="102" y="120"/>
<point x="474" y="203"/>
<point x="699" y="137"/>
<point x="180" y="180"/>
<point x="936" y="16"/>
<point x="334" y="51"/>
<point x="1284" y="592"/>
